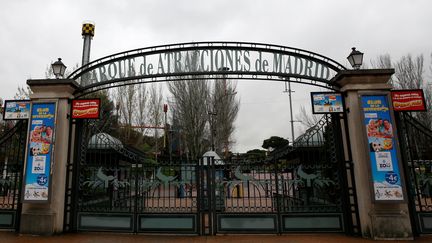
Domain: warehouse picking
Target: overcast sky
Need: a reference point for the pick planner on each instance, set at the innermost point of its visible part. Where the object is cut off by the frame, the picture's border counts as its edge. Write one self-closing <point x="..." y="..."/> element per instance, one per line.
<point x="34" y="33"/>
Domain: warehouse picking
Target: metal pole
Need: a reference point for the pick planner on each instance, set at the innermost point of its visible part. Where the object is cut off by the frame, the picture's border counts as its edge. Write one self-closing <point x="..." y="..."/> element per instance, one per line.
<point x="289" y="91"/>
<point x="291" y="111"/>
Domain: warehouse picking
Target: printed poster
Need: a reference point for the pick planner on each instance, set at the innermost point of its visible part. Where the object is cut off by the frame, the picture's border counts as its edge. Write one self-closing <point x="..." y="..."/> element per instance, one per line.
<point x="16" y="110"/>
<point x="379" y="125"/>
<point x="327" y="102"/>
<point x="39" y="155"/>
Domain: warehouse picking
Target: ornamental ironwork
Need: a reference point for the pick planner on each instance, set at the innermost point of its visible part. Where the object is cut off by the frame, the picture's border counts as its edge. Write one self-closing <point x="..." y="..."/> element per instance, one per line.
<point x="207" y="60"/>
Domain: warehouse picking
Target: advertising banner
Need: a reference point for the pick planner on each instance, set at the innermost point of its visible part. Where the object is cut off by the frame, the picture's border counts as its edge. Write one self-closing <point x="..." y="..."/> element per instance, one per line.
<point x="327" y="102"/>
<point x="16" y="110"/>
<point x="385" y="171"/>
<point x="39" y="152"/>
<point x="408" y="100"/>
<point x="85" y="109"/>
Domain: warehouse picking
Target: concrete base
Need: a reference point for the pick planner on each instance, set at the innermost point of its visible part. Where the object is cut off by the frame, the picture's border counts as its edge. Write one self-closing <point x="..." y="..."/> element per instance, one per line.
<point x="37" y="223"/>
<point x="391" y="225"/>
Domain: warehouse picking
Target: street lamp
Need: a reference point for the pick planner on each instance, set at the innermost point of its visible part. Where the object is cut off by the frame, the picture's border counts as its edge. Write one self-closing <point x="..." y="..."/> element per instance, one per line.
<point x="58" y="68"/>
<point x="355" y="58"/>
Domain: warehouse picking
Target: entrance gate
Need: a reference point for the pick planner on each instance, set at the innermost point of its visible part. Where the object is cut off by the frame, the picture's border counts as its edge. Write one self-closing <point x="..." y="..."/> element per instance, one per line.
<point x="12" y="152"/>
<point x="417" y="154"/>
<point x="306" y="187"/>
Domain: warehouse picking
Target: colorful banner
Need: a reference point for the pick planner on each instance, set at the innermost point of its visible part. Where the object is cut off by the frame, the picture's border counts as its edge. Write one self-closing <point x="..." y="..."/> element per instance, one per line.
<point x="39" y="153"/>
<point x="85" y="109"/>
<point x="326" y="102"/>
<point x="408" y="100"/>
<point x="382" y="152"/>
<point x="16" y="110"/>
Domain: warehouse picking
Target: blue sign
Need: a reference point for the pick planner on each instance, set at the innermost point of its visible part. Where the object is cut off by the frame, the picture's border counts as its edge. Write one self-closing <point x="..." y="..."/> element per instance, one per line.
<point x="391" y="177"/>
<point x="39" y="153"/>
<point x="382" y="152"/>
<point x="42" y="179"/>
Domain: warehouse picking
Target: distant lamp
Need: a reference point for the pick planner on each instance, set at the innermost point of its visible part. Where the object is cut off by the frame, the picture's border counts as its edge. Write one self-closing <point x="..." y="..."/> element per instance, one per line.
<point x="355" y="58"/>
<point x="58" y="68"/>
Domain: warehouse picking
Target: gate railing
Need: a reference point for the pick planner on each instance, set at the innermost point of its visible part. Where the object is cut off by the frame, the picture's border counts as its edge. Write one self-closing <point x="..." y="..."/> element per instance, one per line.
<point x="303" y="189"/>
<point x="118" y="188"/>
<point x="416" y="150"/>
<point x="12" y="152"/>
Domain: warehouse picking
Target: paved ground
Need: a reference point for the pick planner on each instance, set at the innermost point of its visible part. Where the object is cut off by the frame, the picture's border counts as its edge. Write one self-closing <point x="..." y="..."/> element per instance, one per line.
<point x="6" y="237"/>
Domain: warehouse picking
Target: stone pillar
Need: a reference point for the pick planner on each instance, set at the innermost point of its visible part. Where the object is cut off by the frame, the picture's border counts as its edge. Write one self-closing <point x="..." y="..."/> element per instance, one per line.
<point x="378" y="220"/>
<point x="47" y="218"/>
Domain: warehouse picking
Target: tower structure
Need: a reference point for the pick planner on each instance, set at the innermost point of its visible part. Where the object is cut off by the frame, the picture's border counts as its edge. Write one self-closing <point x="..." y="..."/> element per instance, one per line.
<point x="87" y="33"/>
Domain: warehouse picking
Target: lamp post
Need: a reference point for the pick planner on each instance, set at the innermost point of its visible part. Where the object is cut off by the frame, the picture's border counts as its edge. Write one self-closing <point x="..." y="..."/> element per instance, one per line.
<point x="355" y="58"/>
<point x="58" y="68"/>
<point x="290" y="91"/>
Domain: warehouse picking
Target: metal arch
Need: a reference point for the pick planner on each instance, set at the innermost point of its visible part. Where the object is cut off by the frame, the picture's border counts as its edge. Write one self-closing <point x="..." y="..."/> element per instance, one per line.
<point x="208" y="45"/>
<point x="257" y="47"/>
<point x="107" y="85"/>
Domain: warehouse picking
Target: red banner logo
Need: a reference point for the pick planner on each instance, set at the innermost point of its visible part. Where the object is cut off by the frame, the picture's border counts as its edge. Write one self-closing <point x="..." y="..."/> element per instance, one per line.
<point x="85" y="109"/>
<point x="408" y="100"/>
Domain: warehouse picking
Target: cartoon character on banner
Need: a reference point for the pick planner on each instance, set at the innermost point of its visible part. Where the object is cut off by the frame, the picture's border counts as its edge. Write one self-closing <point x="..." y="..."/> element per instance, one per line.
<point x="40" y="140"/>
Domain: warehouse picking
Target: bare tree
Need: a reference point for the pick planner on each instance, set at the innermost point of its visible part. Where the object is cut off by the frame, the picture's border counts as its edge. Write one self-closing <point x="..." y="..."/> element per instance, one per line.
<point x="224" y="108"/>
<point x="23" y="93"/>
<point x="126" y="97"/>
<point x="140" y="117"/>
<point x="190" y="100"/>
<point x="155" y="110"/>
<point x="383" y="62"/>
<point x="409" y="72"/>
<point x="307" y="119"/>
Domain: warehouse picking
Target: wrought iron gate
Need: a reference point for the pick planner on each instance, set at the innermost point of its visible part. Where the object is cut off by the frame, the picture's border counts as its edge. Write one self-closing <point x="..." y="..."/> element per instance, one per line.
<point x="306" y="187"/>
<point x="416" y="150"/>
<point x="12" y="152"/>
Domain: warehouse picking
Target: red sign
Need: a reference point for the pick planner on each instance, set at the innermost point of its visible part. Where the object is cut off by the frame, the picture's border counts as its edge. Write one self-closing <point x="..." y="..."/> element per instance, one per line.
<point x="85" y="109"/>
<point x="408" y="100"/>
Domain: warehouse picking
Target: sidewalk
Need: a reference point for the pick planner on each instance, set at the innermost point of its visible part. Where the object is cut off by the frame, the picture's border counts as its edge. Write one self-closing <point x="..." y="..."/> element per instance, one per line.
<point x="6" y="237"/>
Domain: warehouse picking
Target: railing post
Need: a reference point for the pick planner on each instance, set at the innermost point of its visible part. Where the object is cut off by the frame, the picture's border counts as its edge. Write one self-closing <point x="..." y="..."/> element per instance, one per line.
<point x="278" y="196"/>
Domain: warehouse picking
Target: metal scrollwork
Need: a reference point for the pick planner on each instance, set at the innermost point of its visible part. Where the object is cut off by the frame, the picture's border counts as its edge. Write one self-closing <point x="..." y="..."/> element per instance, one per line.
<point x="104" y="180"/>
